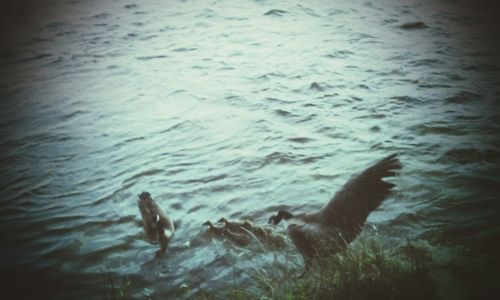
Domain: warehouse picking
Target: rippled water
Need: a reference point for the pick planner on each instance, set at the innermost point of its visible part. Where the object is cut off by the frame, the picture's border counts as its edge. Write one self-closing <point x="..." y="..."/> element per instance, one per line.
<point x="237" y="108"/>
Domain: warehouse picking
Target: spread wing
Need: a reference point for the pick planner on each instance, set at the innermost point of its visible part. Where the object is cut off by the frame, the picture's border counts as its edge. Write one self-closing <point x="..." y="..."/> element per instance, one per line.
<point x="363" y="193"/>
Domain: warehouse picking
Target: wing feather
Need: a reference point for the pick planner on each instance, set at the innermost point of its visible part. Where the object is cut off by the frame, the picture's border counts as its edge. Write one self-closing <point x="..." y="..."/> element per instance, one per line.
<point x="363" y="193"/>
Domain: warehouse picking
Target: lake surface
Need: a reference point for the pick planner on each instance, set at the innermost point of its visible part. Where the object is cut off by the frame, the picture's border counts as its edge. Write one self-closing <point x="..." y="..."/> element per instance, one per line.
<point x="236" y="109"/>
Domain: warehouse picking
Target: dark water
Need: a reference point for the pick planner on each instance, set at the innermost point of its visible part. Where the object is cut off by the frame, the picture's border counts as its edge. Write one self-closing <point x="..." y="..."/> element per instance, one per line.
<point x="236" y="108"/>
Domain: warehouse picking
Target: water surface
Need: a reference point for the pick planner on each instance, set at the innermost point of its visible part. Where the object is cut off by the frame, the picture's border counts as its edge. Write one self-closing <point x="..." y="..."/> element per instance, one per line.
<point x="236" y="109"/>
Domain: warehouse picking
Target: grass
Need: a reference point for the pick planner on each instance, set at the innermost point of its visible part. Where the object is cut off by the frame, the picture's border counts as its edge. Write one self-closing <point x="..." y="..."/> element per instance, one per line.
<point x="123" y="288"/>
<point x="365" y="271"/>
<point x="362" y="271"/>
<point x="117" y="289"/>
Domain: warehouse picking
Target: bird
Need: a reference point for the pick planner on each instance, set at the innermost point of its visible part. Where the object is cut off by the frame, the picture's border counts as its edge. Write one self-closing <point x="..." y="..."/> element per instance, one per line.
<point x="238" y="226"/>
<point x="158" y="226"/>
<point x="261" y="233"/>
<point x="336" y="225"/>
<point x="238" y="238"/>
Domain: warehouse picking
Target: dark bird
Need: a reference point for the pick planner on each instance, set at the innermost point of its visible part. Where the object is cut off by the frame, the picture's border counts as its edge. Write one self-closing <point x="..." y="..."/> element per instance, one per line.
<point x="337" y="224"/>
<point x="158" y="226"/>
<point x="263" y="234"/>
<point x="238" y="238"/>
<point x="236" y="225"/>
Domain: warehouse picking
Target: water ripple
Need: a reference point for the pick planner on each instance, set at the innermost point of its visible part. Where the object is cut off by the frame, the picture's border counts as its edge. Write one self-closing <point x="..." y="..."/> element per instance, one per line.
<point x="227" y="110"/>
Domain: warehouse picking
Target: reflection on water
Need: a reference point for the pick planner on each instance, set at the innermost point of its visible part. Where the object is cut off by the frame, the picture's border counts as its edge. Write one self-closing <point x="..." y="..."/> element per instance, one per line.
<point x="236" y="109"/>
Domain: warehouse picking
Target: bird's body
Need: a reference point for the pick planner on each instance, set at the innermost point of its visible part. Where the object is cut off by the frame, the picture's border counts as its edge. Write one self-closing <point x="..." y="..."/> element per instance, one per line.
<point x="158" y="226"/>
<point x="242" y="226"/>
<point x="262" y="234"/>
<point x="337" y="224"/>
<point x="236" y="237"/>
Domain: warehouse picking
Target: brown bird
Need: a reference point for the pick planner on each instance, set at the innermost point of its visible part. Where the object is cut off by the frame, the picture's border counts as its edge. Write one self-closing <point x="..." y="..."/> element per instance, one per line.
<point x="237" y="226"/>
<point x="337" y="224"/>
<point x="263" y="234"/>
<point x="158" y="226"/>
<point x="238" y="238"/>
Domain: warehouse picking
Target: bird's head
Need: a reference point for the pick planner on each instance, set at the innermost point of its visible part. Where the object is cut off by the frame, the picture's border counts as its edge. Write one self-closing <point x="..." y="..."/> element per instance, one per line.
<point x="145" y="195"/>
<point x="223" y="220"/>
<point x="281" y="215"/>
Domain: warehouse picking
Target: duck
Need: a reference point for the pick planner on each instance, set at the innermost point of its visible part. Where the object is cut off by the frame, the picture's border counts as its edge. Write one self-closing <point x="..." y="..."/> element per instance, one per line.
<point x="333" y="227"/>
<point x="238" y="238"/>
<point x="158" y="226"/>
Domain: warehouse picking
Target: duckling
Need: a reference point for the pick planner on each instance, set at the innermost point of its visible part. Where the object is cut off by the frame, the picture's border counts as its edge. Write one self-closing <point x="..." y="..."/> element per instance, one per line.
<point x="237" y="238"/>
<point x="237" y="226"/>
<point x="158" y="226"/>
<point x="337" y="224"/>
<point x="263" y="234"/>
<point x="218" y="230"/>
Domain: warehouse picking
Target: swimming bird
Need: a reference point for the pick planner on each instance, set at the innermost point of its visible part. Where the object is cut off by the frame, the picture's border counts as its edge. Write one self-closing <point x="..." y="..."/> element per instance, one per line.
<point x="237" y="226"/>
<point x="158" y="226"/>
<point x="238" y="238"/>
<point x="337" y="224"/>
<point x="263" y="234"/>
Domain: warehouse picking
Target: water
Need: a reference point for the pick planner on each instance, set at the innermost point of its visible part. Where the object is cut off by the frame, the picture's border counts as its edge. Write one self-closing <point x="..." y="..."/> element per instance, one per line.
<point x="235" y="109"/>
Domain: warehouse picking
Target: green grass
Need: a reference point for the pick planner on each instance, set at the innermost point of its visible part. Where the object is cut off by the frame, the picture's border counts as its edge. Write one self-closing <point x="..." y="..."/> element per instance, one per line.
<point x="365" y="271"/>
<point x="118" y="288"/>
